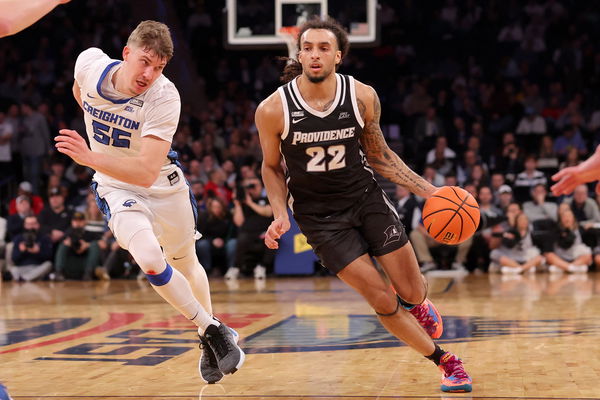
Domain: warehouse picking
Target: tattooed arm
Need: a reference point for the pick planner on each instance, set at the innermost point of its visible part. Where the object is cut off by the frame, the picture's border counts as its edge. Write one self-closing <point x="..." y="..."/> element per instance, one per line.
<point x="379" y="155"/>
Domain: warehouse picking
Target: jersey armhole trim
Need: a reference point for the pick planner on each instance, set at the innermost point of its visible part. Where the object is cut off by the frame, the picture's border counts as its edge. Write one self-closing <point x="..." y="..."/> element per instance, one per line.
<point x="354" y="103"/>
<point x="286" y="114"/>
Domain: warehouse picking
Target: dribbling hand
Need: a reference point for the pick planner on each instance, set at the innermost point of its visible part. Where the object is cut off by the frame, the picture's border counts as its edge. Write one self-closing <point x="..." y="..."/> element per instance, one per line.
<point x="278" y="227"/>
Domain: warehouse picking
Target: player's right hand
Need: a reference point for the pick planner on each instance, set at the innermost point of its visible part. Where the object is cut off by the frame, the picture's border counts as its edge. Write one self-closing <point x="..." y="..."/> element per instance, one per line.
<point x="278" y="227"/>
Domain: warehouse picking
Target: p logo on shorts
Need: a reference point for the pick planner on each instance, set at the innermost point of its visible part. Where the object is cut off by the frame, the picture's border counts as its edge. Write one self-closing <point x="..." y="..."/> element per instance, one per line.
<point x="392" y="234"/>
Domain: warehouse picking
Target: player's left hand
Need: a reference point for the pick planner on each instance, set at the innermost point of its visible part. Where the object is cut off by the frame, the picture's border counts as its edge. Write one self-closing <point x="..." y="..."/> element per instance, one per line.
<point x="69" y="142"/>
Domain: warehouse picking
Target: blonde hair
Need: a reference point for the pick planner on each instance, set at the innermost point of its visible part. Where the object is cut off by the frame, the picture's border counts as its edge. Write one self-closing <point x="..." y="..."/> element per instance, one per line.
<point x="152" y="35"/>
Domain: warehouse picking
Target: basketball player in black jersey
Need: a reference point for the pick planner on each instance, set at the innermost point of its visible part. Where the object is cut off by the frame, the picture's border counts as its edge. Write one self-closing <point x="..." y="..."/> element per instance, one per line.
<point x="325" y="126"/>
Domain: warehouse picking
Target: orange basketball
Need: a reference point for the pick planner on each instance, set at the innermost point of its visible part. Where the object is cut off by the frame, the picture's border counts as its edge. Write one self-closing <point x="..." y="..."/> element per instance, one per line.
<point x="451" y="215"/>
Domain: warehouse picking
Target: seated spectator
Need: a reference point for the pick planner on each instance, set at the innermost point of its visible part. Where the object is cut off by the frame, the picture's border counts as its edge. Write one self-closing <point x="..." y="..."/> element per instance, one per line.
<point x="423" y="243"/>
<point x="427" y="128"/>
<point x="25" y="189"/>
<point x="538" y="209"/>
<point x="79" y="189"/>
<point x="57" y="177"/>
<point x="547" y="160"/>
<point x="464" y="169"/>
<point x="584" y="208"/>
<point x="56" y="218"/>
<point x="587" y="214"/>
<point x="408" y="208"/>
<point x="120" y="264"/>
<point x="450" y="179"/>
<point x="431" y="175"/>
<point x="570" y="138"/>
<point x="496" y="181"/>
<point x="532" y="123"/>
<point x="553" y="110"/>
<point x="441" y="148"/>
<point x="197" y="188"/>
<point x="78" y="254"/>
<point x="96" y="230"/>
<point x="478" y="176"/>
<point x="252" y="214"/>
<point x="31" y="253"/>
<point x="217" y="186"/>
<point x="569" y="253"/>
<point x="230" y="172"/>
<point x="196" y="173"/>
<point x="14" y="223"/>
<point x="517" y="253"/>
<point x="218" y="235"/>
<point x="505" y="197"/>
<point x="527" y="179"/>
<point x="483" y="240"/>
<point x="442" y="164"/>
<point x="508" y="159"/>
<point x="571" y="160"/>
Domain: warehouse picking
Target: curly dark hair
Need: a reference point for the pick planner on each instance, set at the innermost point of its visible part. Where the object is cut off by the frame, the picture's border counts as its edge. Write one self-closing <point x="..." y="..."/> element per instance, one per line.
<point x="293" y="67"/>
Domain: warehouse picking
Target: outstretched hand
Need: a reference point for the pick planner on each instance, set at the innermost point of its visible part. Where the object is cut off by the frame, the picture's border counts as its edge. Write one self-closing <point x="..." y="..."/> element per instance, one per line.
<point x="566" y="181"/>
<point x="69" y="142"/>
<point x="278" y="227"/>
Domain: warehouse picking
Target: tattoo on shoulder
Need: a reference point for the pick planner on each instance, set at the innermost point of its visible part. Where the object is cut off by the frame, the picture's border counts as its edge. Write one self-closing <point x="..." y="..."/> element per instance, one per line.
<point x="362" y="108"/>
<point x="376" y="107"/>
<point x="372" y="135"/>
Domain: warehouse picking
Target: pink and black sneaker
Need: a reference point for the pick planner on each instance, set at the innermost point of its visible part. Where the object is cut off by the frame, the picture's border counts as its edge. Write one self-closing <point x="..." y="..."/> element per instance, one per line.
<point x="429" y="318"/>
<point x="454" y="377"/>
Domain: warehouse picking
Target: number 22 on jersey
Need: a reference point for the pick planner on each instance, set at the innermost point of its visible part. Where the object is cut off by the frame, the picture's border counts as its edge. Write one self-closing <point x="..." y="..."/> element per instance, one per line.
<point x="318" y="163"/>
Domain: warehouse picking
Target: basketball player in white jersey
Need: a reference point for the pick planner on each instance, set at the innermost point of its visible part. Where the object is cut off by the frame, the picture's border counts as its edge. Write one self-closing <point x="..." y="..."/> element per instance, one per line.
<point x="131" y="114"/>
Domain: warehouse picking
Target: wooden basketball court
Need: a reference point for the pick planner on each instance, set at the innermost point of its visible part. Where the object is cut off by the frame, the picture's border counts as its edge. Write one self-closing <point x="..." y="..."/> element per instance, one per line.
<point x="526" y="337"/>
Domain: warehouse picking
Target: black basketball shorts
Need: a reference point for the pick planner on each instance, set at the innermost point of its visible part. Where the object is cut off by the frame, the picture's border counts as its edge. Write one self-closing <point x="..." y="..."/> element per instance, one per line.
<point x="371" y="226"/>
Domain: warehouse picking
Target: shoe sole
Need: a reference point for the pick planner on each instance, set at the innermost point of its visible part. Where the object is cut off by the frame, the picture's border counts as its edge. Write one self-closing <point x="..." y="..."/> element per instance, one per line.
<point x="458" y="389"/>
<point x="239" y="364"/>
<point x="236" y="337"/>
<point x="209" y="382"/>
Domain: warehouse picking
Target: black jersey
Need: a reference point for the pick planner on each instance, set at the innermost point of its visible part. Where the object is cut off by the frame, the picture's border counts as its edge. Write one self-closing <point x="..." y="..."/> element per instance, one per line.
<point x="326" y="167"/>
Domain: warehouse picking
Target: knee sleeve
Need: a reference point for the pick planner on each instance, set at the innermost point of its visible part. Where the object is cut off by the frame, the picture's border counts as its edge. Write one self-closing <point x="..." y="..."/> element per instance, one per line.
<point x="126" y="224"/>
<point x="146" y="251"/>
<point x="186" y="260"/>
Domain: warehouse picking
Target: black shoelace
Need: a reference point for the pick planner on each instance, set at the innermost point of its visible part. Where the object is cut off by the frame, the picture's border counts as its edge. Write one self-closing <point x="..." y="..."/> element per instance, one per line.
<point x="210" y="355"/>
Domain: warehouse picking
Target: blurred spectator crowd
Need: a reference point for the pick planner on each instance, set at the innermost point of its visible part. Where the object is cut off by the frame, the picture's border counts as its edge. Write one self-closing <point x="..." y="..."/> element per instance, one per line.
<point x="491" y="96"/>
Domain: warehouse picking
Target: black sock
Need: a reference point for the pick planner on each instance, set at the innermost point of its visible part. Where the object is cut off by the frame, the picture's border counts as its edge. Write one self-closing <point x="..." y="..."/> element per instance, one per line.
<point x="407" y="306"/>
<point x="437" y="355"/>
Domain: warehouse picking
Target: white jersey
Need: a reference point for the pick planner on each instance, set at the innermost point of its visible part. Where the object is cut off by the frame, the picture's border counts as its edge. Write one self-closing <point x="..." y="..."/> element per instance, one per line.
<point x="116" y="123"/>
